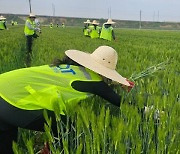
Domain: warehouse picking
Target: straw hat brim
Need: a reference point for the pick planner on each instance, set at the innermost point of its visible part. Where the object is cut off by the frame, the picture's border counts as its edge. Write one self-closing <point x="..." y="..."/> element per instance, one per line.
<point x="87" y="22"/>
<point x="95" y="23"/>
<point x="2" y="18"/>
<point x="109" y="23"/>
<point x="86" y="60"/>
<point x="32" y="16"/>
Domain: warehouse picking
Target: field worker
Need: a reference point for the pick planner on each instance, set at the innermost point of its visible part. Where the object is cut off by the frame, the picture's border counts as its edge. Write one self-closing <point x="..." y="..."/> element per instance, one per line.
<point x="51" y="25"/>
<point x="2" y="23"/>
<point x="86" y="28"/>
<point x="16" y="23"/>
<point x="94" y="29"/>
<point x="63" y="25"/>
<point x="26" y="92"/>
<point x="107" y="32"/>
<point x="12" y="23"/>
<point x="30" y="33"/>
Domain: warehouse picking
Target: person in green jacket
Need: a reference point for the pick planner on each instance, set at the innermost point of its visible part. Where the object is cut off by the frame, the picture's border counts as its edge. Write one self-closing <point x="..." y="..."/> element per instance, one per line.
<point x="107" y="32"/>
<point x="12" y="23"/>
<point x="25" y="93"/>
<point x="63" y="25"/>
<point x="51" y="25"/>
<point x="86" y="28"/>
<point x="2" y="23"/>
<point x="30" y="31"/>
<point x="94" y="29"/>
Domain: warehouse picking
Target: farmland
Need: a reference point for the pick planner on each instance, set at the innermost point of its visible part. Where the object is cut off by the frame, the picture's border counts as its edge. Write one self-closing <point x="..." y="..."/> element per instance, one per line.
<point x="99" y="127"/>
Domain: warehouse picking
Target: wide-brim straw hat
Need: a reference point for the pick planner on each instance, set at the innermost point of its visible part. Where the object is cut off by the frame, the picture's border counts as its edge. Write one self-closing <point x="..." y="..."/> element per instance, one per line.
<point x="87" y="22"/>
<point x="110" y="22"/>
<point x="2" y="18"/>
<point x="31" y="15"/>
<point x="102" y="61"/>
<point x="95" y="22"/>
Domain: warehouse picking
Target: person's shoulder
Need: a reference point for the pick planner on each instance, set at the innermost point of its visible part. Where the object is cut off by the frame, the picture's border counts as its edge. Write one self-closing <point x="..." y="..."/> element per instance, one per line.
<point x="27" y="21"/>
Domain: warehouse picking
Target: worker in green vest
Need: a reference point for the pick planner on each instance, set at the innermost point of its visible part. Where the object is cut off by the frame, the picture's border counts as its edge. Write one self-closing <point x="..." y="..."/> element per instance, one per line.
<point x="16" y="23"/>
<point x="107" y="32"/>
<point x="26" y="92"/>
<point x="2" y="23"/>
<point x="63" y="25"/>
<point x="12" y="23"/>
<point x="30" y="31"/>
<point x="51" y="25"/>
<point x="86" y="28"/>
<point x="94" y="29"/>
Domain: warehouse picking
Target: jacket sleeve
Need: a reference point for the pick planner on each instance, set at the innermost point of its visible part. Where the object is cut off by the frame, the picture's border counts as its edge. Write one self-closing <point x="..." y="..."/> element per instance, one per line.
<point x="28" y="24"/>
<point x="98" y="88"/>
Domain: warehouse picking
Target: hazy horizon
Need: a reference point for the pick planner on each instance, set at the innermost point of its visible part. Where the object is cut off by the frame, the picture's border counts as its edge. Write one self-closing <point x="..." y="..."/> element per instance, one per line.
<point x="151" y="10"/>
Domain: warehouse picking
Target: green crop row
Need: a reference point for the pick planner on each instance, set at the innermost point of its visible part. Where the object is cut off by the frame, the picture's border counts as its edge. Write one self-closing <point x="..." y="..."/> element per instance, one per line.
<point x="12" y="49"/>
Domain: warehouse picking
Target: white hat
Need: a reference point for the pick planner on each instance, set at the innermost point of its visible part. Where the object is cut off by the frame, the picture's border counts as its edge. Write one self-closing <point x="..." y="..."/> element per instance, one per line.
<point x="2" y="18"/>
<point x="95" y="22"/>
<point x="110" y="22"/>
<point x="102" y="61"/>
<point x="87" y="22"/>
<point x="32" y="15"/>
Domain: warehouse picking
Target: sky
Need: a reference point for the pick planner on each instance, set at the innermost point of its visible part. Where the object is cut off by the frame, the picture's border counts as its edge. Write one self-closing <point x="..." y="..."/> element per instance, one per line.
<point x="151" y="10"/>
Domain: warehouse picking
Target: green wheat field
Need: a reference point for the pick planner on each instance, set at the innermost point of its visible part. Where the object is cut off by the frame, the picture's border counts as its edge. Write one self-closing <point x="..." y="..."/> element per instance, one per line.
<point x="150" y="57"/>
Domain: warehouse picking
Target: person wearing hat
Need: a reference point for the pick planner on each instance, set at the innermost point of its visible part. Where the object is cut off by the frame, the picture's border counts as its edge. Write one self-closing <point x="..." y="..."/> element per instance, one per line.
<point x="107" y="32"/>
<point x="25" y="93"/>
<point x="86" y="28"/>
<point x="12" y="23"/>
<point x="63" y="25"/>
<point x="94" y="29"/>
<point x="51" y="25"/>
<point x="2" y="23"/>
<point x="30" y="30"/>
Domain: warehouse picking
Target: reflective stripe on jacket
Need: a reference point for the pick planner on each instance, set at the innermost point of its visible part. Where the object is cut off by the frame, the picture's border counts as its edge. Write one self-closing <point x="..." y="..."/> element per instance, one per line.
<point x="45" y="87"/>
<point x="106" y="33"/>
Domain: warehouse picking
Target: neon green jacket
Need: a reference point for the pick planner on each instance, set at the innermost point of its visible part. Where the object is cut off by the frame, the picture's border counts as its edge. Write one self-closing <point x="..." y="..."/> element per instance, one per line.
<point x="45" y="87"/>
<point x="63" y="25"/>
<point x="27" y="30"/>
<point x="106" y="33"/>
<point x="51" y="25"/>
<point x="86" y="33"/>
<point x="94" y="32"/>
<point x="86" y="30"/>
<point x="2" y="25"/>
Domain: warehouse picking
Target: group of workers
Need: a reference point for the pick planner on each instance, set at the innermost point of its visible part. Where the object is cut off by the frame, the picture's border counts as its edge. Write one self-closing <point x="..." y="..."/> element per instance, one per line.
<point x="3" y="23"/>
<point x="14" y="23"/>
<point x="93" y="30"/>
<point x="57" y="25"/>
